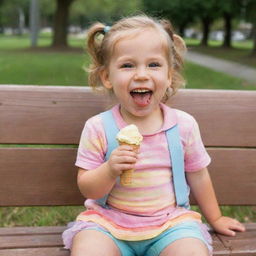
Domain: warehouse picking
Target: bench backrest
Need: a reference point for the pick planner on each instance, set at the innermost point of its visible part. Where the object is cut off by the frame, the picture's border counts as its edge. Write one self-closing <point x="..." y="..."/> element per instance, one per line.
<point x="40" y="127"/>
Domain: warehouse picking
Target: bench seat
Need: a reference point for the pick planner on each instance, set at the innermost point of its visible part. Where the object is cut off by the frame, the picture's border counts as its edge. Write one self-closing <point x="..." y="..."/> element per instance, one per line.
<point x="42" y="241"/>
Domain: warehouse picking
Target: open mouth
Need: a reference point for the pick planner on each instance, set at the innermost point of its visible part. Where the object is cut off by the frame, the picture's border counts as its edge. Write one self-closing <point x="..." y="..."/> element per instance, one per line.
<point x="141" y="96"/>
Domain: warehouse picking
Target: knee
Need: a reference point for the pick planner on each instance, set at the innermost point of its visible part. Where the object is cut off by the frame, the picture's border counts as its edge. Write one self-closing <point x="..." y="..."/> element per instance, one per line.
<point x="93" y="243"/>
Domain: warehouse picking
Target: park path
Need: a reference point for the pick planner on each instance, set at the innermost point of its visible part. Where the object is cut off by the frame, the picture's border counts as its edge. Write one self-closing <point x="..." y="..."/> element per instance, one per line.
<point x="229" y="67"/>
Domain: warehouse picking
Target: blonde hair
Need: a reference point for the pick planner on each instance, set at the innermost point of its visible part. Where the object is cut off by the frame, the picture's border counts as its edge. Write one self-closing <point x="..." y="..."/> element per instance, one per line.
<point x="100" y="46"/>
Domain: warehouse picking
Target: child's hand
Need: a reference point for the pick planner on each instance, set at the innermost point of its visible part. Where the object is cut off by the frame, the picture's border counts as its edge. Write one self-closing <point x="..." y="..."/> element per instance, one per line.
<point x="227" y="226"/>
<point x="121" y="159"/>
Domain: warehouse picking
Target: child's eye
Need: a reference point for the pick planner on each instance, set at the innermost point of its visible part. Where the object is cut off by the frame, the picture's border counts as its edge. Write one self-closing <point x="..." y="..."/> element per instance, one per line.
<point x="154" y="64"/>
<point x="126" y="65"/>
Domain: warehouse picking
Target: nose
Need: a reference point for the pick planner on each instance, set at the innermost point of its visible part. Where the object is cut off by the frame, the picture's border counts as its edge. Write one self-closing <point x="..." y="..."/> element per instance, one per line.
<point x="141" y="73"/>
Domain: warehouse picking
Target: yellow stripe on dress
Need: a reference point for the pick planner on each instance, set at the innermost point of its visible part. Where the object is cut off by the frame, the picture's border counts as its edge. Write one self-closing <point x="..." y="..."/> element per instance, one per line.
<point x="137" y="234"/>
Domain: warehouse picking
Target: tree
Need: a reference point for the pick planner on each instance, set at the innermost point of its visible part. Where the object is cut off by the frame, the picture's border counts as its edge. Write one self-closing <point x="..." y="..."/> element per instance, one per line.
<point x="60" y="25"/>
<point x="250" y="10"/>
<point x="230" y="9"/>
<point x="11" y="12"/>
<point x="207" y="11"/>
<point x="84" y="12"/>
<point x="180" y="13"/>
<point x="1" y="21"/>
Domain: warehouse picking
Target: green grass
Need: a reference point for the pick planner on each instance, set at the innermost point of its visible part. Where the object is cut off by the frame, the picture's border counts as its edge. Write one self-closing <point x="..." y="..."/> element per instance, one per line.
<point x="240" y="51"/>
<point x="21" y="65"/>
<point x="23" y="41"/>
<point x="38" y="216"/>
<point x="205" y="78"/>
<point x="247" y="44"/>
<point x="38" y="68"/>
<point x="241" y="213"/>
<point x="60" y="68"/>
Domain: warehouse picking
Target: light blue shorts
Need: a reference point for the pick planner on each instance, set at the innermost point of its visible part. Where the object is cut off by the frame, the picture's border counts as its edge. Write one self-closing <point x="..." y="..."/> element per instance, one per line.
<point x="154" y="246"/>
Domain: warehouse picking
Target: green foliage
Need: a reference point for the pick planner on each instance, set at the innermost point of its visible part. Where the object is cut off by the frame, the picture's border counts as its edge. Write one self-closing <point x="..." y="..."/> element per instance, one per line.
<point x="9" y="12"/>
<point x="84" y="12"/>
<point x="180" y="13"/>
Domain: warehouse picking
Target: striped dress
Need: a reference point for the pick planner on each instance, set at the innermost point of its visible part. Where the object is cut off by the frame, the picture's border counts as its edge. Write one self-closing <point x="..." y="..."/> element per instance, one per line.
<point x="147" y="207"/>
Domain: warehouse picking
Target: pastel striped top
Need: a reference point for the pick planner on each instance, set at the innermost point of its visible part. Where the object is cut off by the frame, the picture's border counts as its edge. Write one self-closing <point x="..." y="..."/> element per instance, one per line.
<point x="147" y="207"/>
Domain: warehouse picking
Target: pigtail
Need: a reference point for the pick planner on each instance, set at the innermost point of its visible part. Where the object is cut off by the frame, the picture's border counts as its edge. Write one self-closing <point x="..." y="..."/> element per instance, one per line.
<point x="95" y="37"/>
<point x="178" y="50"/>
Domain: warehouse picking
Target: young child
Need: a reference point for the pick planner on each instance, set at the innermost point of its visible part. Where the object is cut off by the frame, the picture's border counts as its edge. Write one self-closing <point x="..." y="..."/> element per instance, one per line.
<point x="139" y="59"/>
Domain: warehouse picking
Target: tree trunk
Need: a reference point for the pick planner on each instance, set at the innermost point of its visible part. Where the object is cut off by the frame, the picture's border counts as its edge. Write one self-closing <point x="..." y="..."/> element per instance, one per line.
<point x="228" y="30"/>
<point x="253" y="53"/>
<point x="206" y="31"/>
<point x="61" y="23"/>
<point x="182" y="28"/>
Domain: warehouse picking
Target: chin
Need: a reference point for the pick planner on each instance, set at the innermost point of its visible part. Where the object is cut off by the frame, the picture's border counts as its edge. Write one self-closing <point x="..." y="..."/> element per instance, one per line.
<point x="141" y="112"/>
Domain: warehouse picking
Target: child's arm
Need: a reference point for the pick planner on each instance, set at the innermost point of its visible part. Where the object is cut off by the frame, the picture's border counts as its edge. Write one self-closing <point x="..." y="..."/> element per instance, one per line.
<point x="202" y="189"/>
<point x="96" y="183"/>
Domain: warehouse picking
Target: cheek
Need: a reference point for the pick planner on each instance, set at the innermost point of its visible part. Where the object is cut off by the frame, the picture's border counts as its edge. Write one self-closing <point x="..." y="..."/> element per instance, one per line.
<point x="120" y="80"/>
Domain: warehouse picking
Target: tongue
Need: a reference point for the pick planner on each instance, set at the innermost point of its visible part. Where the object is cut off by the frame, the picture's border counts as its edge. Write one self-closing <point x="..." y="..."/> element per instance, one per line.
<point x="141" y="99"/>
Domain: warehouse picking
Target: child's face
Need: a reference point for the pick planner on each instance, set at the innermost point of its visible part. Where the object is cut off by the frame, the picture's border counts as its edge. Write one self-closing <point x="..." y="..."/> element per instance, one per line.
<point x="139" y="73"/>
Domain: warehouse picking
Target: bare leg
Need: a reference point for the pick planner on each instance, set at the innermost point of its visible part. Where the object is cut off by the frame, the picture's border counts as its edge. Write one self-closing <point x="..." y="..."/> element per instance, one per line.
<point x="186" y="247"/>
<point x="93" y="243"/>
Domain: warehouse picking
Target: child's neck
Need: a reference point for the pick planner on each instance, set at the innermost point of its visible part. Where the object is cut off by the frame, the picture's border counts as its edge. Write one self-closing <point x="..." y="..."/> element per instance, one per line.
<point x="146" y="124"/>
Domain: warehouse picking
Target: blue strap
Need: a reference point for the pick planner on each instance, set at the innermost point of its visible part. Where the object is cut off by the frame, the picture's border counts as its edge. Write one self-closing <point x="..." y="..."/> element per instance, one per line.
<point x="178" y="171"/>
<point x="111" y="131"/>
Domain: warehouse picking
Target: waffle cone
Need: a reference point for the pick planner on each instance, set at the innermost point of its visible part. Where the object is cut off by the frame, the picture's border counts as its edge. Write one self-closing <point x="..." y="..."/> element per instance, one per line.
<point x="126" y="176"/>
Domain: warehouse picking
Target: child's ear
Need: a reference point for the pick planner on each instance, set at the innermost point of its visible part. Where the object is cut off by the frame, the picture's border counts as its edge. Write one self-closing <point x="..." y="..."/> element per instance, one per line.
<point x="104" y="76"/>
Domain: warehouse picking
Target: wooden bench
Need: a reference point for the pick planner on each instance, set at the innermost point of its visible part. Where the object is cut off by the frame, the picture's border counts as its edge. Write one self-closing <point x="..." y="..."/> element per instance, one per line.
<point x="43" y="115"/>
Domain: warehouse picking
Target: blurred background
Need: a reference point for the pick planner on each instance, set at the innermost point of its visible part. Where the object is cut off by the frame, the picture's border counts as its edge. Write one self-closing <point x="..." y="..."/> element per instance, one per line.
<point x="42" y="42"/>
<point x="41" y="39"/>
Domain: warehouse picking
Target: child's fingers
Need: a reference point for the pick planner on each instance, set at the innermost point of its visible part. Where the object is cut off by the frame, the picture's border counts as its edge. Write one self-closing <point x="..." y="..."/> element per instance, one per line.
<point x="124" y="167"/>
<point x="231" y="227"/>
<point x="236" y="225"/>
<point x="125" y="152"/>
<point x="128" y="159"/>
<point x="127" y="148"/>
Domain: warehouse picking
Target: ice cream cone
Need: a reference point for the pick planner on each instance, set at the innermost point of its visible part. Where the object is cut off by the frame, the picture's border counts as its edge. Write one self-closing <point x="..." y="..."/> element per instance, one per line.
<point x="131" y="136"/>
<point x="126" y="176"/>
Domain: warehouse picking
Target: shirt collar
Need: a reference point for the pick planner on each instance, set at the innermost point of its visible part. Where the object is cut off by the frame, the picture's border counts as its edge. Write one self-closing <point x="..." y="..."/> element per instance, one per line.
<point x="170" y="118"/>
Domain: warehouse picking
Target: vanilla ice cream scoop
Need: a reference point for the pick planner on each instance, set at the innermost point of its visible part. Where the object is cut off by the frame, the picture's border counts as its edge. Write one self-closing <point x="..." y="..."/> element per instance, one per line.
<point x="130" y="135"/>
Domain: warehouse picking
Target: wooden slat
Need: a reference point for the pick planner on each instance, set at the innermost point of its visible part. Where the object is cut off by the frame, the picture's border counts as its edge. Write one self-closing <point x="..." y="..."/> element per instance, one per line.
<point x="243" y="244"/>
<point x="48" y="176"/>
<point x="44" y="114"/>
<point x="52" y="251"/>
<point x="218" y="247"/>
<point x="38" y="177"/>
<point x="226" y="118"/>
<point x="30" y="241"/>
<point x="233" y="173"/>
<point x="56" y="115"/>
<point x="32" y="230"/>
